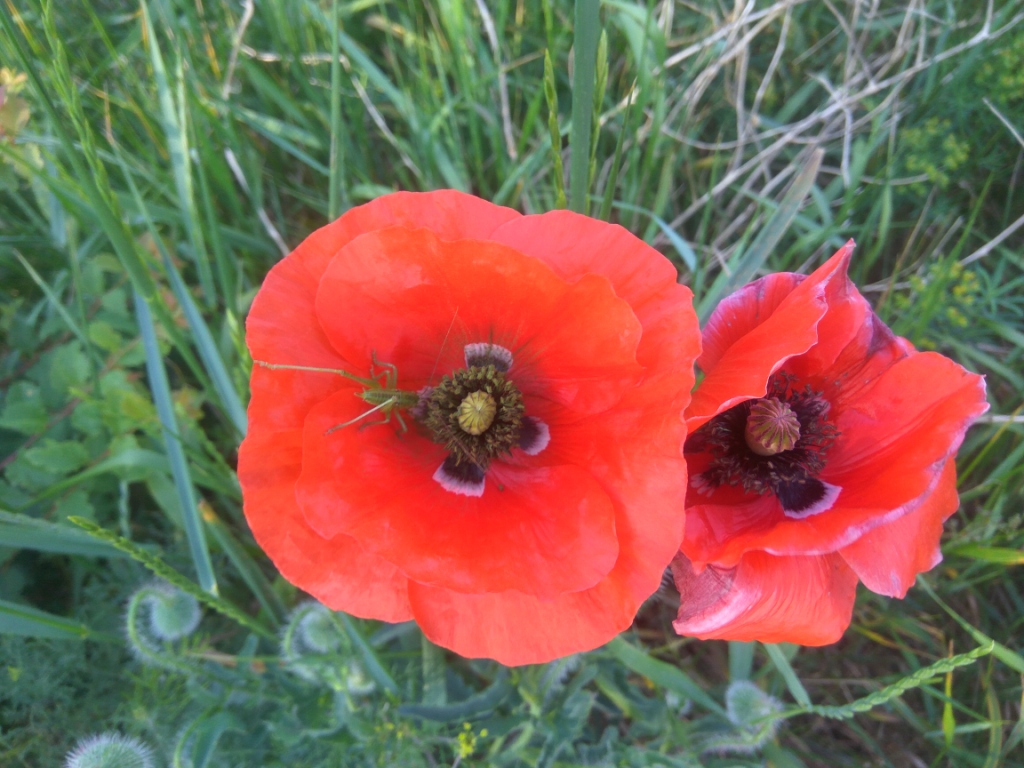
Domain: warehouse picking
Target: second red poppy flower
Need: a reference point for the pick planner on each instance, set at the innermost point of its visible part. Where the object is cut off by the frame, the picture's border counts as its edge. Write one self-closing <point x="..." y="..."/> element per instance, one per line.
<point x="821" y="452"/>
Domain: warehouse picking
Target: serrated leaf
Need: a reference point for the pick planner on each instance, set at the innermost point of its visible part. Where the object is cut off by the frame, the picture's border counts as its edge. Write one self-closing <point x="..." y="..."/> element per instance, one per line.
<point x="24" y="410"/>
<point x="58" y="457"/>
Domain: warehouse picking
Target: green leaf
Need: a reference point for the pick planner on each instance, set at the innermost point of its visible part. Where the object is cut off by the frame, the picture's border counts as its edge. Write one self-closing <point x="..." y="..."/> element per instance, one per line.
<point x="24" y="410"/>
<point x="59" y="457"/>
<point x="16" y="619"/>
<point x="373" y="666"/>
<point x="175" y="454"/>
<point x="130" y="462"/>
<point x="1010" y="658"/>
<point x="769" y="236"/>
<point x="24" y="532"/>
<point x="796" y="688"/>
<point x="660" y="673"/>
<point x="555" y="134"/>
<point x="586" y="32"/>
<point x="890" y="692"/>
<point x="168" y="574"/>
<point x="475" y="706"/>
<point x="997" y="555"/>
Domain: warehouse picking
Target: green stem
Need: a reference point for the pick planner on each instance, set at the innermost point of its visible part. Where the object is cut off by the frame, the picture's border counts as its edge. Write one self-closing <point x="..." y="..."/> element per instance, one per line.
<point x="585" y="36"/>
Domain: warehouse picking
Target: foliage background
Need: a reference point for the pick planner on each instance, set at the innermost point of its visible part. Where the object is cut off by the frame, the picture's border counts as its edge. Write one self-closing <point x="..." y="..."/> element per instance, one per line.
<point x="174" y="149"/>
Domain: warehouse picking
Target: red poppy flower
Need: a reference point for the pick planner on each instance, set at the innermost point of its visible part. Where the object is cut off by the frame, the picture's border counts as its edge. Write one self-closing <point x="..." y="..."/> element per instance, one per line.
<point x="507" y="469"/>
<point x="821" y="451"/>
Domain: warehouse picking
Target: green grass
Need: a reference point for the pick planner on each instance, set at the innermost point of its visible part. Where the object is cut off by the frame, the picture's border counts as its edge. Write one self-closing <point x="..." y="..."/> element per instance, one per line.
<point x="175" y="150"/>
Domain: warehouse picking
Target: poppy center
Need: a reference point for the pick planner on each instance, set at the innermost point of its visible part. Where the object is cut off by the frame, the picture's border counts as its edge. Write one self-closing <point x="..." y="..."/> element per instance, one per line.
<point x="775" y="444"/>
<point x="772" y="427"/>
<point x="476" y="413"/>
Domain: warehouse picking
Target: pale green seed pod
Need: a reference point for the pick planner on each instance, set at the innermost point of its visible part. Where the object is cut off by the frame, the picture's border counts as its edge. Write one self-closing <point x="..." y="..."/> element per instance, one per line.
<point x="746" y="704"/>
<point x="173" y="614"/>
<point x="318" y="631"/>
<point x="110" y="750"/>
<point x="751" y="712"/>
<point x="311" y="632"/>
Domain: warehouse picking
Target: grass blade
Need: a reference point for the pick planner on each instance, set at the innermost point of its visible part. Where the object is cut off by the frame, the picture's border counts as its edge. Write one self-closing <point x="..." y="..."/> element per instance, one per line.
<point x="759" y="250"/>
<point x="373" y="666"/>
<point x="177" y="147"/>
<point x="551" y="95"/>
<point x="244" y="564"/>
<point x="683" y="248"/>
<point x="741" y="660"/>
<point x="660" y="673"/>
<point x="467" y="709"/>
<point x="434" y="691"/>
<point x="24" y="532"/>
<point x="17" y="619"/>
<point x="162" y="570"/>
<point x="334" y="188"/>
<point x="53" y="299"/>
<point x="204" y="342"/>
<point x="161" y="391"/>
<point x="1010" y="658"/>
<point x="585" y="35"/>
<point x="890" y="692"/>
<point x="796" y="688"/>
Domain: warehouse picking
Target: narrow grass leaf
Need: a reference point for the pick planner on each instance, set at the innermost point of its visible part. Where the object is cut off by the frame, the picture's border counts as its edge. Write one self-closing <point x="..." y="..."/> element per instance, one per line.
<point x="434" y="691"/>
<point x="160" y="569"/>
<point x="948" y="718"/>
<point x="1010" y="658"/>
<point x="128" y="459"/>
<point x="796" y="688"/>
<point x="741" y="660"/>
<point x="17" y="619"/>
<point x="247" y="568"/>
<point x="24" y="532"/>
<point x="373" y="666"/>
<point x="334" y="187"/>
<point x="761" y="248"/>
<point x="661" y="673"/>
<point x="551" y="96"/>
<point x="177" y="147"/>
<point x="890" y="692"/>
<point x="54" y="300"/>
<point x="161" y="391"/>
<point x="683" y="248"/>
<point x="205" y="345"/>
<point x="586" y="31"/>
<point x="473" y="707"/>
<point x="997" y="555"/>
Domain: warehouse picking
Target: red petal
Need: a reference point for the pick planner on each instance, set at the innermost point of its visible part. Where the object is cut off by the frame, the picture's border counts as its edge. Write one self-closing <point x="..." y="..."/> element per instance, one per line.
<point x="338" y="572"/>
<point x="635" y="455"/>
<point x="805" y="600"/>
<point x="415" y="301"/>
<point x="755" y="330"/>
<point x="540" y="530"/>
<point x="282" y="326"/>
<point x="514" y="628"/>
<point x="900" y="415"/>
<point x="574" y="245"/>
<point x="888" y="558"/>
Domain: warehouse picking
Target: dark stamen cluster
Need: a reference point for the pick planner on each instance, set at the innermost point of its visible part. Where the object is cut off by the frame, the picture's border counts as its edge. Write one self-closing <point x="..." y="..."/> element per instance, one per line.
<point x="735" y="464"/>
<point x="441" y="410"/>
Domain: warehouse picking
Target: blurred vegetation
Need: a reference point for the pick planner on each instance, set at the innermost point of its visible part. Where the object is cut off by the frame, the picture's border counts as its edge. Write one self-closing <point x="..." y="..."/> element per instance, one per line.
<point x="157" y="158"/>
